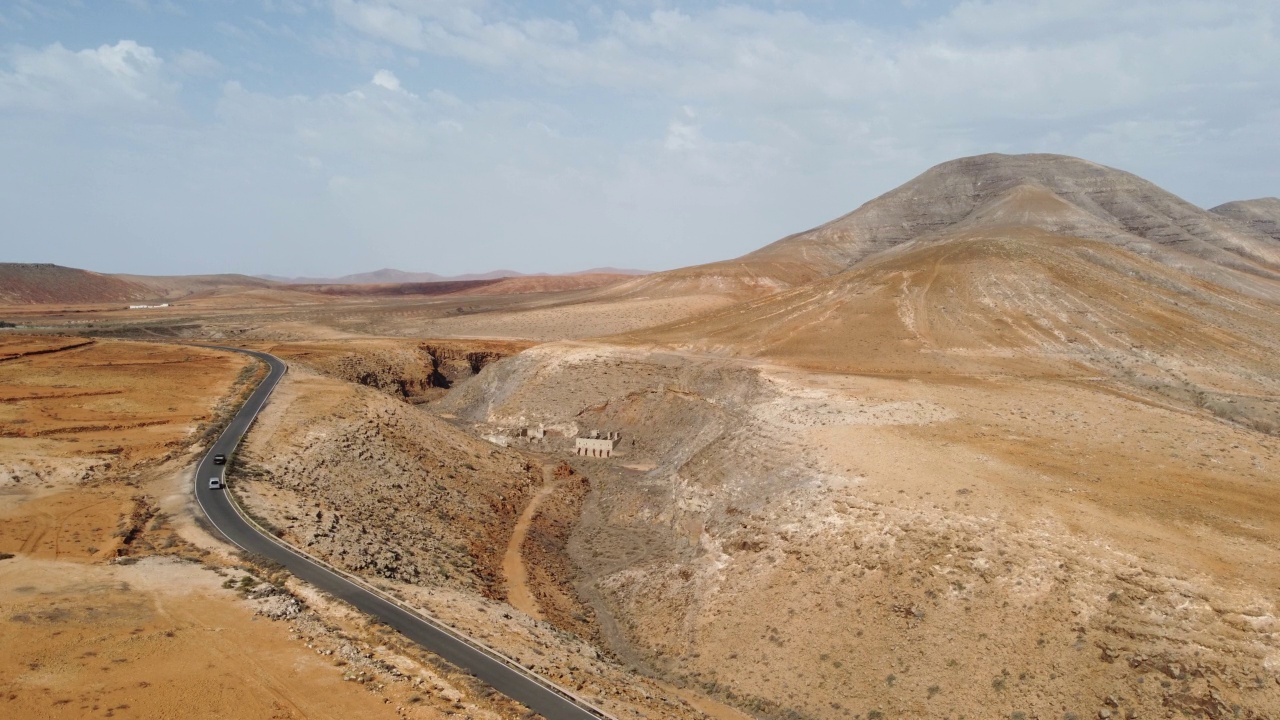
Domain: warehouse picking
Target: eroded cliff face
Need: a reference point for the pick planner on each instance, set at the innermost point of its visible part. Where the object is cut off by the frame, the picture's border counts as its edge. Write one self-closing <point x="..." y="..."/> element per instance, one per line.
<point x="411" y="370"/>
<point x="820" y="545"/>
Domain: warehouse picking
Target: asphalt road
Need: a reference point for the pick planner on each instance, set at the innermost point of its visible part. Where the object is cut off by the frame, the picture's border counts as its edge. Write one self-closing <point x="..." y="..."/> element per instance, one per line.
<point x="218" y="508"/>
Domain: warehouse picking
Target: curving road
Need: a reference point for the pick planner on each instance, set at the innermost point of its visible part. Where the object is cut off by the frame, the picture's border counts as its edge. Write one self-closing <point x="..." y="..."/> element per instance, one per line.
<point x="517" y="684"/>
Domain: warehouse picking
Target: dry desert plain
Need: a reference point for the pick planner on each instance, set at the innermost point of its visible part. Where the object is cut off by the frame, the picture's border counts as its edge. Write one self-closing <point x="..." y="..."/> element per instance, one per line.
<point x="1003" y="442"/>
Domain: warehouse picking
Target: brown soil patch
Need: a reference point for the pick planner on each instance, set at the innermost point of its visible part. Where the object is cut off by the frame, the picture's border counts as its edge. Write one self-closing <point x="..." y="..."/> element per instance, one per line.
<point x="104" y="406"/>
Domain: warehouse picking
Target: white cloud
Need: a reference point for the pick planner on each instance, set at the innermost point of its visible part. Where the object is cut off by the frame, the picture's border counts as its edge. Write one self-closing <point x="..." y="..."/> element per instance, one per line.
<point x="125" y="76"/>
<point x="387" y="79"/>
<point x="982" y="59"/>
<point x="384" y="22"/>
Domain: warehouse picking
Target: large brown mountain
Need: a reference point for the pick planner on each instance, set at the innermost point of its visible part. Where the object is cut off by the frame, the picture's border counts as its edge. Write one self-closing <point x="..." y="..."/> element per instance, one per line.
<point x="1029" y="265"/>
<point x="1062" y="195"/>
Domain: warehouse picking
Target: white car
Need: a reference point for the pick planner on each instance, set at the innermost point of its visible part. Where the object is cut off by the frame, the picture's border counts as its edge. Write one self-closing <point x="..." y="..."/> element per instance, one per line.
<point x="215" y="483"/>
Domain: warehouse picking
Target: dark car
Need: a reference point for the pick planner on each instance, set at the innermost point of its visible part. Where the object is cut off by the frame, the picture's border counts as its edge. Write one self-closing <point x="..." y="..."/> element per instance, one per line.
<point x="219" y="459"/>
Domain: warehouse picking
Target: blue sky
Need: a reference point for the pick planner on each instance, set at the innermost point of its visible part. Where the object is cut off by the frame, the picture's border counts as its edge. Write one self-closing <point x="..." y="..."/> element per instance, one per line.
<point x="321" y="137"/>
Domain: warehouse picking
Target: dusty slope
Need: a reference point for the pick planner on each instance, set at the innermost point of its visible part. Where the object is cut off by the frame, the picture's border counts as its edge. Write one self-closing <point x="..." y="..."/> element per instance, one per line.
<point x="26" y="283"/>
<point x="1012" y="300"/>
<point x="1262" y="215"/>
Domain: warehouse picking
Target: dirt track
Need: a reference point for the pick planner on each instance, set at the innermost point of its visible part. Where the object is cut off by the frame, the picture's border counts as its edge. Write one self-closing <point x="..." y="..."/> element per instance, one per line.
<point x="513" y="568"/>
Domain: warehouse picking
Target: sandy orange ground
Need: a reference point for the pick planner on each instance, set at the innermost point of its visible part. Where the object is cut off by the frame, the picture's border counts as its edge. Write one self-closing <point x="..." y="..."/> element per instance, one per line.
<point x="106" y="405"/>
<point x="159" y="639"/>
<point x="106" y="609"/>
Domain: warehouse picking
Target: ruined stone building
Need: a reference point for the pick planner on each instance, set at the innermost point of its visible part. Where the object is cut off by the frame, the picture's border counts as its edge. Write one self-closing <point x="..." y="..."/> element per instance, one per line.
<point x="598" y="445"/>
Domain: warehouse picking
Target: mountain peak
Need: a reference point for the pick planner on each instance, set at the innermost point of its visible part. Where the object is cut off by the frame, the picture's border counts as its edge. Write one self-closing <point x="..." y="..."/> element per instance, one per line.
<point x="1058" y="193"/>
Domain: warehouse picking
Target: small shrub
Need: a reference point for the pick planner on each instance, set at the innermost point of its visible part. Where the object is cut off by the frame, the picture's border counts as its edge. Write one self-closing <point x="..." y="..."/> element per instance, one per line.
<point x="5" y="556"/>
<point x="262" y="562"/>
<point x="891" y="679"/>
<point x="933" y="690"/>
<point x="997" y="683"/>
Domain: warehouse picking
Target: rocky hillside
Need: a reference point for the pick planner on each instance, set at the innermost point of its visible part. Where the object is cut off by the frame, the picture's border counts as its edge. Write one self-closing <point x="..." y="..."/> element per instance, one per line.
<point x="380" y="488"/>
<point x="32" y="283"/>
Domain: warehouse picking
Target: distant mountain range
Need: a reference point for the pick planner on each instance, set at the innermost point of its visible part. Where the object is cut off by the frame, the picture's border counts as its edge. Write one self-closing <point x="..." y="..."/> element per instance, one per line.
<point x="391" y="275"/>
<point x="27" y="283"/>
